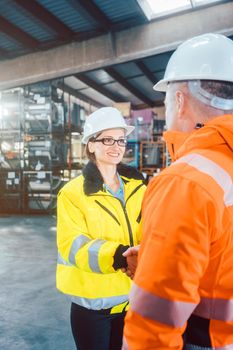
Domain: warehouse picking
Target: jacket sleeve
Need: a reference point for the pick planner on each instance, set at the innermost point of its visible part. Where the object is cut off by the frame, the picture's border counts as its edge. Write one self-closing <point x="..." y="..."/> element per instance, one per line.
<point x="77" y="247"/>
<point x="178" y="222"/>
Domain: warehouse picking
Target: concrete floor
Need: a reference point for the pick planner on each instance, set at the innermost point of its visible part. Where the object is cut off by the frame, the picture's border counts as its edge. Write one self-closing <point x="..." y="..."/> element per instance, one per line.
<point x="33" y="314"/>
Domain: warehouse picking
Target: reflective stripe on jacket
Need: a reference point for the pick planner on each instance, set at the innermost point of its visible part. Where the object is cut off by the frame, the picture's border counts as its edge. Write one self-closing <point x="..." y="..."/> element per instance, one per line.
<point x="92" y="224"/>
<point x="183" y="287"/>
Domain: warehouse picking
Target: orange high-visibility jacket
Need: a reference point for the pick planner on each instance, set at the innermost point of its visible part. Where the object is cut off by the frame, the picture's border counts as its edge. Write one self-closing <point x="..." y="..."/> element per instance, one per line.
<point x="182" y="297"/>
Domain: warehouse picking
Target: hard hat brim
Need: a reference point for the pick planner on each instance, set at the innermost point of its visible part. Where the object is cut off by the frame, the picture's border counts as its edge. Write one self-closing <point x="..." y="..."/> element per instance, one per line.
<point x="161" y="86"/>
<point x="128" y="129"/>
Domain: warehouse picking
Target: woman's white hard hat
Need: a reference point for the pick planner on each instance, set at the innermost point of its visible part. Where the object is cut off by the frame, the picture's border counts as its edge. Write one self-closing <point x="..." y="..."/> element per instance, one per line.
<point x="204" y="57"/>
<point x="103" y="119"/>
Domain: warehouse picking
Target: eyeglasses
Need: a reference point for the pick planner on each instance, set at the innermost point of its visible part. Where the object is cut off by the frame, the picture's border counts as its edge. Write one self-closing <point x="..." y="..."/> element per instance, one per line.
<point x="109" y="141"/>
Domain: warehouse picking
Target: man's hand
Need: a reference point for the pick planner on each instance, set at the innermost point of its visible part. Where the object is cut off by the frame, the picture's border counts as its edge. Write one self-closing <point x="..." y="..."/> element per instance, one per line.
<point x="131" y="255"/>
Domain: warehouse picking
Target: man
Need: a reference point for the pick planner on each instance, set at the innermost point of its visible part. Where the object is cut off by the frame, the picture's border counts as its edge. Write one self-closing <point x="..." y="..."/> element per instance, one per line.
<point x="182" y="297"/>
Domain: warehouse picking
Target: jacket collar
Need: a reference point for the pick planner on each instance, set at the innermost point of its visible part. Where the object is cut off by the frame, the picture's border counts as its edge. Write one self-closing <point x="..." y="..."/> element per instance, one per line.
<point x="175" y="140"/>
<point x="93" y="181"/>
<point x="215" y="132"/>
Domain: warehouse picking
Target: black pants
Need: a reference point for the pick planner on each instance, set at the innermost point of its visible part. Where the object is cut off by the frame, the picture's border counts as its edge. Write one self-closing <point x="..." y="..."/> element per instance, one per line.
<point x="96" y="330"/>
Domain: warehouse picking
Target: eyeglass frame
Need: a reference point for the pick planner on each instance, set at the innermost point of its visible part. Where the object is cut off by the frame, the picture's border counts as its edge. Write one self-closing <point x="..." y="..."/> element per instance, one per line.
<point x="114" y="141"/>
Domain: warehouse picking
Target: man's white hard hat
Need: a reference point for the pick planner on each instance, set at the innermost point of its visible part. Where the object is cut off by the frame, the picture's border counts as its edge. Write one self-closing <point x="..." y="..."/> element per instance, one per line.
<point x="204" y="57"/>
<point x="103" y="119"/>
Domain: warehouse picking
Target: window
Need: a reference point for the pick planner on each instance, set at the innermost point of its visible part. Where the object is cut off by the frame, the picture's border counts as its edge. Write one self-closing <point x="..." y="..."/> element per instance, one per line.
<point x="159" y="8"/>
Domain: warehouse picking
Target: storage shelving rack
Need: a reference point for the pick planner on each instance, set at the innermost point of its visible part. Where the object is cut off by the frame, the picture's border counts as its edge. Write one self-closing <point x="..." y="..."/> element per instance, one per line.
<point x="153" y="157"/>
<point x="44" y="145"/>
<point x="11" y="151"/>
<point x="131" y="156"/>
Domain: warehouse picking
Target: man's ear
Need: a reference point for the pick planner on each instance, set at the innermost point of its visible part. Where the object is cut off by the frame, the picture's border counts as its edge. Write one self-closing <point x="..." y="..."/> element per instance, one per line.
<point x="180" y="103"/>
<point x="184" y="112"/>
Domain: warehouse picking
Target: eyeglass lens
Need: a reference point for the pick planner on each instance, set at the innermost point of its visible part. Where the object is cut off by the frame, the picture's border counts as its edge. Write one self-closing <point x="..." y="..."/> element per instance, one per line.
<point x="109" y="141"/>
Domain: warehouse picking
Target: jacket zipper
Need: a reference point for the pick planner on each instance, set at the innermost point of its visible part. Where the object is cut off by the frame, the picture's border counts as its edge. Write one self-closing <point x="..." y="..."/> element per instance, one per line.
<point x="124" y="210"/>
<point x="139" y="217"/>
<point x="126" y="215"/>
<point x="108" y="211"/>
<point x="132" y="193"/>
<point x="128" y="224"/>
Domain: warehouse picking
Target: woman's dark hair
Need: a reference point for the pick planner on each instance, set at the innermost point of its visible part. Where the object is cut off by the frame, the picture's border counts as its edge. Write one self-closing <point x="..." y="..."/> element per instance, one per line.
<point x="89" y="155"/>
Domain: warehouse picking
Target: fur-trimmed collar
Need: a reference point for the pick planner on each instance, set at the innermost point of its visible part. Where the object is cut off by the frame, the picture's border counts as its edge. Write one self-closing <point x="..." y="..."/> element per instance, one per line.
<point x="93" y="181"/>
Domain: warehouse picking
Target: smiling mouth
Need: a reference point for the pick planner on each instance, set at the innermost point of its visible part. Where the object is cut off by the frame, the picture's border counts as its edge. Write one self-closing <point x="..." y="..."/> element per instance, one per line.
<point x="113" y="154"/>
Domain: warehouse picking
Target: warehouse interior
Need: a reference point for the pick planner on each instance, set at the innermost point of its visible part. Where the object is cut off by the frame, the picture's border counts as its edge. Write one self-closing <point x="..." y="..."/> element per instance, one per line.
<point x="60" y="61"/>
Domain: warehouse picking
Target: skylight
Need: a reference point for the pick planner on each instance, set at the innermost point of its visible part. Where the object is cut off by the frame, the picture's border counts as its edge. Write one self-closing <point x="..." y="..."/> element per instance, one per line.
<point x="166" y="6"/>
<point x="158" y="8"/>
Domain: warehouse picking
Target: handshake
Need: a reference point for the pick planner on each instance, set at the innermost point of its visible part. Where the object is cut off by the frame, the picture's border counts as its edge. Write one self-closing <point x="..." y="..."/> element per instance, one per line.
<point x="131" y="255"/>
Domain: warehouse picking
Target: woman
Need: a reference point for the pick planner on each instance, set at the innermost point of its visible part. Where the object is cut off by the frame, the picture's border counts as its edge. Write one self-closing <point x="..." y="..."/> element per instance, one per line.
<point x="98" y="220"/>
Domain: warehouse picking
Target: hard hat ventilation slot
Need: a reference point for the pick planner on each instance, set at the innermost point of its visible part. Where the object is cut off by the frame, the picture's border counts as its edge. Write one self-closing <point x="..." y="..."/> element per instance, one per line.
<point x="208" y="98"/>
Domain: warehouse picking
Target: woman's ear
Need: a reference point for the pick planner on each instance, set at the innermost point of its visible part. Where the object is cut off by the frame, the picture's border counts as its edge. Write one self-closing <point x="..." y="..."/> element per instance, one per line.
<point x="90" y="147"/>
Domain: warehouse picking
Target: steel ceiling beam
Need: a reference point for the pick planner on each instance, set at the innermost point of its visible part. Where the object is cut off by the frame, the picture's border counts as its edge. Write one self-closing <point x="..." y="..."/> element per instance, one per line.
<point x="101" y="89"/>
<point x="97" y="15"/>
<point x="132" y="44"/>
<point x="79" y="95"/>
<point x="143" y="68"/>
<point x="46" y="17"/>
<point x="4" y="53"/>
<point x="90" y="11"/>
<point x="132" y="89"/>
<point x="17" y="34"/>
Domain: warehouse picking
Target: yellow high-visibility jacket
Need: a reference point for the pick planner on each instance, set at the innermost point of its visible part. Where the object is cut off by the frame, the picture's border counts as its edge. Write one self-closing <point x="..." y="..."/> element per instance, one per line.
<point x="92" y="225"/>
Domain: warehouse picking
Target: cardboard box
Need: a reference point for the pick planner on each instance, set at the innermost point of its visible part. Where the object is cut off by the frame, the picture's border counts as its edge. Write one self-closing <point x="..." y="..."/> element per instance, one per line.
<point x="124" y="108"/>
